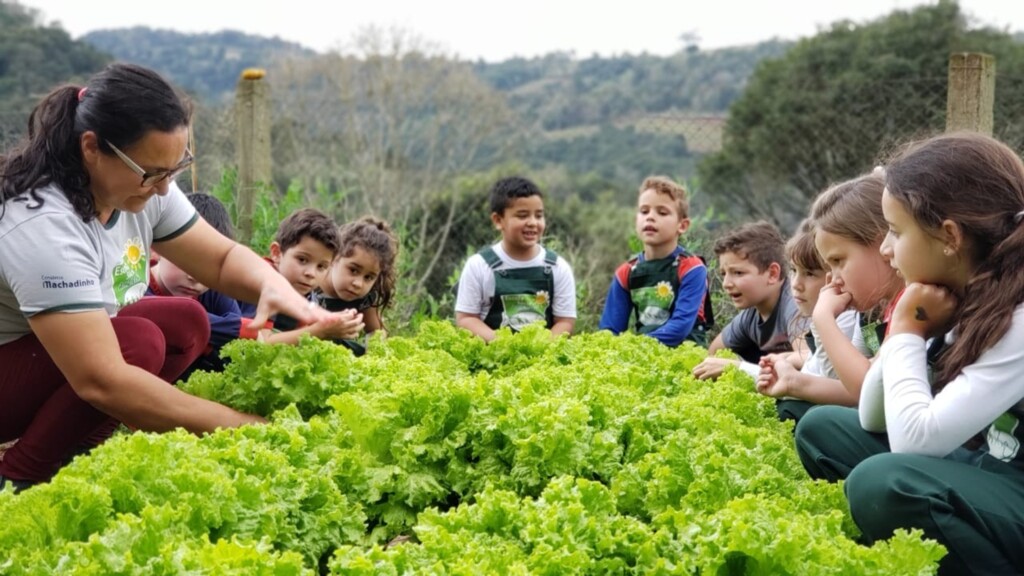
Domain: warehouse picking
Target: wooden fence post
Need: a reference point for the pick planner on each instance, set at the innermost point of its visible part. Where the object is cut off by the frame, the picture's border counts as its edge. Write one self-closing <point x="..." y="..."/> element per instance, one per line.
<point x="972" y="90"/>
<point x="252" y="150"/>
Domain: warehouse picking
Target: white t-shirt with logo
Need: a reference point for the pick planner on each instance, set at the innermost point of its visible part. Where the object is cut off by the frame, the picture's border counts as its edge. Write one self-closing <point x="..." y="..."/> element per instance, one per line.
<point x="51" y="260"/>
<point x="476" y="283"/>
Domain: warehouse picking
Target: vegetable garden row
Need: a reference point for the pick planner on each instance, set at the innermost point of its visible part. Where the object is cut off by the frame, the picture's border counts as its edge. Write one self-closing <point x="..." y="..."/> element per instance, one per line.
<point x="438" y="454"/>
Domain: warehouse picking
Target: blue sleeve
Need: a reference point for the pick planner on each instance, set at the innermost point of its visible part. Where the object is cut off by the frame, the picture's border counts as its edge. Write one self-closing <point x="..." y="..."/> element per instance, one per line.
<point x="617" y="307"/>
<point x="225" y="317"/>
<point x="689" y="299"/>
<point x="246" y="309"/>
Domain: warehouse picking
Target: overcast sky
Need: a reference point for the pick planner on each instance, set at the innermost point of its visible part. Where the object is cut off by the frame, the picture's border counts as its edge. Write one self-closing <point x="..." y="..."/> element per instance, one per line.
<point x="500" y="30"/>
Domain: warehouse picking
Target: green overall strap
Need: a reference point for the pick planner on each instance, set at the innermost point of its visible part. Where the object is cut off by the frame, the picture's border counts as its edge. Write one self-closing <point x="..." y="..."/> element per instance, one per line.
<point x="530" y="290"/>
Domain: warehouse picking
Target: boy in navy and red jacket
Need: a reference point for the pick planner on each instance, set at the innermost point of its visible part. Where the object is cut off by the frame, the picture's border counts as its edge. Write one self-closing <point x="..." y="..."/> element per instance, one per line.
<point x="664" y="288"/>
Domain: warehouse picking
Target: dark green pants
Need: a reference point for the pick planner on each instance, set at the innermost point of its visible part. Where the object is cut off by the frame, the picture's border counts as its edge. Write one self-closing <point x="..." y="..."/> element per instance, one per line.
<point x="792" y="409"/>
<point x="969" y="501"/>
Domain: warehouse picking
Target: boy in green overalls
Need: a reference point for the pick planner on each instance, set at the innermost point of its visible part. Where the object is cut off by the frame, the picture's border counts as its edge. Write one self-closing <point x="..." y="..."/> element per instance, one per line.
<point x="517" y="281"/>
<point x="664" y="287"/>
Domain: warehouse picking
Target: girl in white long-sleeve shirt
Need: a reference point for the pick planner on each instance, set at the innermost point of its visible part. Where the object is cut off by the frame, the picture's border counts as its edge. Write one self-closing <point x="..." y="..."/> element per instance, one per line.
<point x="911" y="457"/>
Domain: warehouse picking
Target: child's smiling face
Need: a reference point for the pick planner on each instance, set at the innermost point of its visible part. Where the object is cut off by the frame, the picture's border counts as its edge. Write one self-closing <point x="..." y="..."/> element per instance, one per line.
<point x="522" y="225"/>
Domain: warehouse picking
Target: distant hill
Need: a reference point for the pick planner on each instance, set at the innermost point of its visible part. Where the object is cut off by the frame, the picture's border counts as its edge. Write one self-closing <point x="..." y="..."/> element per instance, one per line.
<point x="623" y="117"/>
<point x="557" y="90"/>
<point x="564" y="92"/>
<point x="618" y="118"/>
<point x="35" y="58"/>
<point x="206" y="64"/>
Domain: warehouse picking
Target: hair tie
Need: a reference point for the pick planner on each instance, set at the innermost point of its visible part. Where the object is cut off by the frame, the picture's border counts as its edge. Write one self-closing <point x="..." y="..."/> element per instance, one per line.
<point x="1018" y="217"/>
<point x="81" y="93"/>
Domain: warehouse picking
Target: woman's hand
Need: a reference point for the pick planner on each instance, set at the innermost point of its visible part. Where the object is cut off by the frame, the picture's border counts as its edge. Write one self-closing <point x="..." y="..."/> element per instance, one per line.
<point x="244" y="418"/>
<point x="923" y="309"/>
<point x="277" y="295"/>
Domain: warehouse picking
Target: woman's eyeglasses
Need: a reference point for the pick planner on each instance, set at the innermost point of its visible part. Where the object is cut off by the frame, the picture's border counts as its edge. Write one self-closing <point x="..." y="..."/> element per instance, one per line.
<point x="156" y="176"/>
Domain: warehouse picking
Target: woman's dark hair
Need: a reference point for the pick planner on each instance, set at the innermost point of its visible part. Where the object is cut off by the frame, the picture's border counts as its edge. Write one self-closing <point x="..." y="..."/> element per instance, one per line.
<point x="120" y="104"/>
<point x="978" y="183"/>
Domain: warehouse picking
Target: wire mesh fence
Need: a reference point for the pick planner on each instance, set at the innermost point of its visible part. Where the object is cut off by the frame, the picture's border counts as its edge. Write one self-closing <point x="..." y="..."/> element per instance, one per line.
<point x="1008" y="121"/>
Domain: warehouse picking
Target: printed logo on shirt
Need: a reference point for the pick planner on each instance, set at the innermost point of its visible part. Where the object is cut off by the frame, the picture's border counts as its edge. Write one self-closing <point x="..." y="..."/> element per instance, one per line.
<point x="50" y="282"/>
<point x="654" y="303"/>
<point x="131" y="275"/>
<point x="871" y="342"/>
<point x="518" y="310"/>
<point x="1001" y="440"/>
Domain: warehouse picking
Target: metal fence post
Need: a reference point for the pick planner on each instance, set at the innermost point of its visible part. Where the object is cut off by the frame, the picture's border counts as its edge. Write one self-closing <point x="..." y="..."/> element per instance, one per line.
<point x="972" y="89"/>
<point x="252" y="119"/>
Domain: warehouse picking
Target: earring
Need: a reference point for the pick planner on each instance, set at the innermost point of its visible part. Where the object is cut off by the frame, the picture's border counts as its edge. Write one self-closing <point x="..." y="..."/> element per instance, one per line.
<point x="948" y="251"/>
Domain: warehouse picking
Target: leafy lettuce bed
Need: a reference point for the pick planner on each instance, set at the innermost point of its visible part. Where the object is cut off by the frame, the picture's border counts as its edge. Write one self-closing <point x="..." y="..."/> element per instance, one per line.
<point x="591" y="455"/>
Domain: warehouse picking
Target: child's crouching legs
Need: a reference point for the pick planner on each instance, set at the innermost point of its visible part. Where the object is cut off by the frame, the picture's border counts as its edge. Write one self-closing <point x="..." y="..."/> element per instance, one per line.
<point x="830" y="442"/>
<point x="976" y="513"/>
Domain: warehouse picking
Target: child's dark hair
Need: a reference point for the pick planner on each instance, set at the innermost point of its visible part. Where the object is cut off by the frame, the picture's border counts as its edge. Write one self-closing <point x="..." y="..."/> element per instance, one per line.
<point x="801" y="251"/>
<point x="213" y="211"/>
<point x="668" y="187"/>
<point x="978" y="183"/>
<point x="308" y="222"/>
<point x="508" y="189"/>
<point x="376" y="237"/>
<point x="759" y="242"/>
<point x="120" y="104"/>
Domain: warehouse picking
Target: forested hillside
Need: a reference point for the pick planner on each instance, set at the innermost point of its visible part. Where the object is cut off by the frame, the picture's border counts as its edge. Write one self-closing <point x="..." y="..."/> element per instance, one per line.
<point x="563" y="92"/>
<point x="33" y="58"/>
<point x="613" y="120"/>
<point x="205" y="64"/>
<point x="837" y="103"/>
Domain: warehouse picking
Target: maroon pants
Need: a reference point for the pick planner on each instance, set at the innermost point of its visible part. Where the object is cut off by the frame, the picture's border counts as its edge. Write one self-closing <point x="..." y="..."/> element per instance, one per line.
<point x="162" y="335"/>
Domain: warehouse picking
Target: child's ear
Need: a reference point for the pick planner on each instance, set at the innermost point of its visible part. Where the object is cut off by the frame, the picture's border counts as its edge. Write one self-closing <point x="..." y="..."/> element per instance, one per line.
<point x="952" y="234"/>
<point x="774" y="272"/>
<point x="684" y="225"/>
<point x="496" y="219"/>
<point x="275" y="253"/>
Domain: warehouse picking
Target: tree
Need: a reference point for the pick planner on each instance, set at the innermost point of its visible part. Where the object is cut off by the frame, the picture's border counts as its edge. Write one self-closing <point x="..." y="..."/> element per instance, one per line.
<point x="836" y="103"/>
<point x="404" y="122"/>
